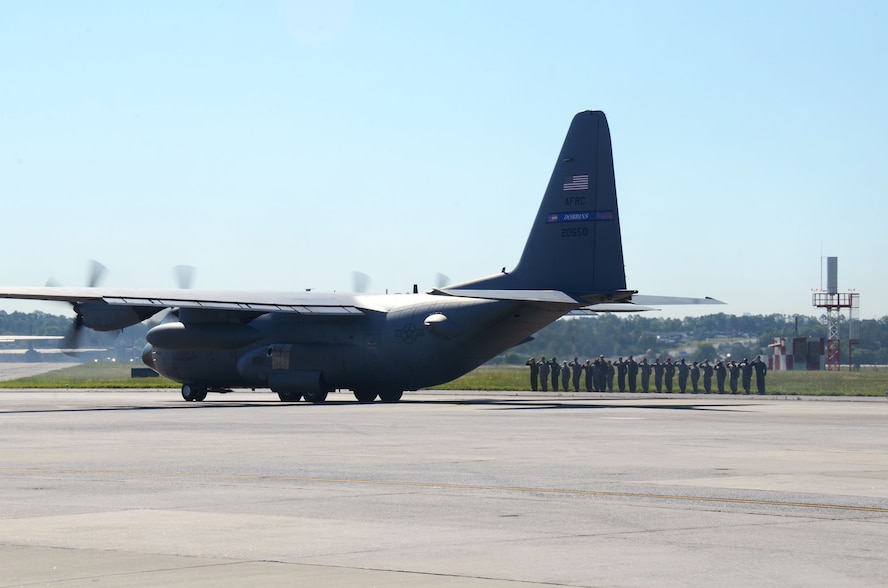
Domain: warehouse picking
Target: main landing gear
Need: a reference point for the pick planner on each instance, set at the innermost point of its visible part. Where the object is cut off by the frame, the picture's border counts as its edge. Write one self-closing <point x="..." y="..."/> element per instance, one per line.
<point x="314" y="397"/>
<point x="365" y="395"/>
<point x="384" y="395"/>
<point x="195" y="393"/>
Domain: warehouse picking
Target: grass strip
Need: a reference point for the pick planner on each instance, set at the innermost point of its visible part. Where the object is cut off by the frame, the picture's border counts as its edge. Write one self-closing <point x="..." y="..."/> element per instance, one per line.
<point x="866" y="382"/>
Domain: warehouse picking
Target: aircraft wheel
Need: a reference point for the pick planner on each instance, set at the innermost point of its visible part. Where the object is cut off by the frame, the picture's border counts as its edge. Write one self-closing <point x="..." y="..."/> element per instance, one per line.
<point x="365" y="396"/>
<point x="315" y="397"/>
<point x="289" y="396"/>
<point x="391" y="395"/>
<point x="192" y="393"/>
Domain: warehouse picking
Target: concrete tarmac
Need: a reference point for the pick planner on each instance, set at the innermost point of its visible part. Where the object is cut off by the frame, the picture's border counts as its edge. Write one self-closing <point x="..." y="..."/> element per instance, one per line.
<point x="106" y="488"/>
<point x="16" y="370"/>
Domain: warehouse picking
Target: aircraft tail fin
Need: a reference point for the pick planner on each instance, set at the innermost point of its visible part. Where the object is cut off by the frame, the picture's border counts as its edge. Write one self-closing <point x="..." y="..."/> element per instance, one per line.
<point x="574" y="244"/>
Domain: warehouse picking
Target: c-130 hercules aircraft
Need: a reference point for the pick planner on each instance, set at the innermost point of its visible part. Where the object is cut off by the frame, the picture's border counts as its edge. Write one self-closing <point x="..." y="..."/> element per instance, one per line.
<point x="303" y="345"/>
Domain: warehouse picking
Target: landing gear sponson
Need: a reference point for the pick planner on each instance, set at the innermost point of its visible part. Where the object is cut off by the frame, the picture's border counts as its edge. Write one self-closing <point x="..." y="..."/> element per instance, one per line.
<point x="195" y="393"/>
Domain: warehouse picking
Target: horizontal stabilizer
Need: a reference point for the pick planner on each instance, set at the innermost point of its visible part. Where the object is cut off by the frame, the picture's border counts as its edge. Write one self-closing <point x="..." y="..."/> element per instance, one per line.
<point x="617" y="307"/>
<point x="669" y="300"/>
<point x="641" y="303"/>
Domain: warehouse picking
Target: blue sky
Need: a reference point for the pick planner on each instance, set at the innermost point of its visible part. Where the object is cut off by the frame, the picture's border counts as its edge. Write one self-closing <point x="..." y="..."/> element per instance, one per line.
<point x="285" y="145"/>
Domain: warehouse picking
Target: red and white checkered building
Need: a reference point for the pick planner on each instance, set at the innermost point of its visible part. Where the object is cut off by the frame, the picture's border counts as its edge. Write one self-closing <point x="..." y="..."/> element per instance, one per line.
<point x="797" y="353"/>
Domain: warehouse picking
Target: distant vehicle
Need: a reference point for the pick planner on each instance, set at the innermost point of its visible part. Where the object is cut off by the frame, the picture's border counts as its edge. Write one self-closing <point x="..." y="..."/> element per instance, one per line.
<point x="303" y="345"/>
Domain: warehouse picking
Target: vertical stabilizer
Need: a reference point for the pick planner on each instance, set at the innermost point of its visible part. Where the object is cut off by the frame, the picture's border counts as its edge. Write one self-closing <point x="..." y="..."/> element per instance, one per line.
<point x="574" y="244"/>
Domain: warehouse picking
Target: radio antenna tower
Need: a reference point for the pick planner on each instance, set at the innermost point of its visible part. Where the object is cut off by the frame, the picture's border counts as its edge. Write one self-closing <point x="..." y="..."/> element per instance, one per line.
<point x="834" y="302"/>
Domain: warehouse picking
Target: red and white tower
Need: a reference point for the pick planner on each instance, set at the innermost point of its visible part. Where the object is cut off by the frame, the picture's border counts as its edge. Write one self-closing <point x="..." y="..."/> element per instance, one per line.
<point x="834" y="302"/>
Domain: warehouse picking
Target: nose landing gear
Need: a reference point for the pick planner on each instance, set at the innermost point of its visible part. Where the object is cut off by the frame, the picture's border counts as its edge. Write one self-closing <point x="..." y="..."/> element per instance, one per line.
<point x="192" y="393"/>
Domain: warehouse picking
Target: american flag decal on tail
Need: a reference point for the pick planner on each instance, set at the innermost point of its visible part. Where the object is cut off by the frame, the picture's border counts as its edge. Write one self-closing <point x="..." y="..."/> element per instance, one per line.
<point x="573" y="183"/>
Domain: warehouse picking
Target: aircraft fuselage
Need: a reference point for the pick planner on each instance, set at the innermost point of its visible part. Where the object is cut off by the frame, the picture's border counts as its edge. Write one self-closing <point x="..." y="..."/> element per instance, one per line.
<point x="412" y="341"/>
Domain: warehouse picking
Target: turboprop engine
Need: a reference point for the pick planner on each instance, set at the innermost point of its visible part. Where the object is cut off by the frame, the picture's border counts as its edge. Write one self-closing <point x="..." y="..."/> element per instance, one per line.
<point x="177" y="335"/>
<point x="104" y="317"/>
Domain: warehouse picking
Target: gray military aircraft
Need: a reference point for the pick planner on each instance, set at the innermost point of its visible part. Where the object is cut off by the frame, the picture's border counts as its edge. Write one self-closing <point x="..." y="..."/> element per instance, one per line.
<point x="303" y="345"/>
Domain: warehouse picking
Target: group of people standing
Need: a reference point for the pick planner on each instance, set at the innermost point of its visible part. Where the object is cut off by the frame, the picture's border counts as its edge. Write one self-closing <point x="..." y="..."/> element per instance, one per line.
<point x="599" y="374"/>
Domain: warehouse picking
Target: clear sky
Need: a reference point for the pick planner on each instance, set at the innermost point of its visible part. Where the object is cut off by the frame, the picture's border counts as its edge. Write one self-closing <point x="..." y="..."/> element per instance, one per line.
<point x="284" y="145"/>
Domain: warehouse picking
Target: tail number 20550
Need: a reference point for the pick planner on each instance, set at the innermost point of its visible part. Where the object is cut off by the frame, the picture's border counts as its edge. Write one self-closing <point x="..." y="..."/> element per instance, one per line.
<point x="575" y="232"/>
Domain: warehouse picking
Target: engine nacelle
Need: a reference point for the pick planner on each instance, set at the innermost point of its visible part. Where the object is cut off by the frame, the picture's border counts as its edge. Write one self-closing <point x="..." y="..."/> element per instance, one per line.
<point x="148" y="355"/>
<point x="180" y="336"/>
<point x="105" y="317"/>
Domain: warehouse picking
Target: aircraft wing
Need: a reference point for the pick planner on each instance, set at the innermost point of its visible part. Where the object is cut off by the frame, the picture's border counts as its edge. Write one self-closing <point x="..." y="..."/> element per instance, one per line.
<point x="311" y="303"/>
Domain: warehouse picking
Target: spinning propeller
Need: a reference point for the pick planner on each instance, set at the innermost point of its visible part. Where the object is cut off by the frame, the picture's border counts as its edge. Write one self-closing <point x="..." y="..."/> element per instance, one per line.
<point x="72" y="338"/>
<point x="184" y="276"/>
<point x="105" y="318"/>
<point x="361" y="281"/>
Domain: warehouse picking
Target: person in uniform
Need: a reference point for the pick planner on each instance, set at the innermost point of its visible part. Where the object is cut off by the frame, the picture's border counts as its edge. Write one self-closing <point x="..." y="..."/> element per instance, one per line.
<point x="683" y="371"/>
<point x="610" y="376"/>
<point x="734" y="371"/>
<point x="556" y="371"/>
<point x="707" y="376"/>
<point x="632" y="372"/>
<point x="668" y="374"/>
<point x="658" y="375"/>
<point x="576" y="370"/>
<point x="720" y="372"/>
<point x="622" y="370"/>
<point x="746" y="375"/>
<point x="761" y="369"/>
<point x="565" y="376"/>
<point x="645" y="368"/>
<point x="695" y="376"/>
<point x="544" y="374"/>
<point x="593" y="367"/>
<point x="534" y="372"/>
<point x="601" y="372"/>
<point x="590" y="375"/>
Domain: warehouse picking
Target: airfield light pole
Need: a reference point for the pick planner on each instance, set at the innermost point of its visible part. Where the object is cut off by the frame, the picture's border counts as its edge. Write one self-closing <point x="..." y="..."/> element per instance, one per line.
<point x="834" y="302"/>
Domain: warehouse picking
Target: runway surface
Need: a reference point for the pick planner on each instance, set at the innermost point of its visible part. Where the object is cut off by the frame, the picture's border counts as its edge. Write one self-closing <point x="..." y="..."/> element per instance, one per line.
<point x="21" y="369"/>
<point x="105" y="488"/>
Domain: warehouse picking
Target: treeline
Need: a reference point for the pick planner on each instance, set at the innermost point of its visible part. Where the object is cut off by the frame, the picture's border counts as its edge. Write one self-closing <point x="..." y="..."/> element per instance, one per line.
<point x="695" y="338"/>
<point x="43" y="324"/>
<point x="33" y="323"/>
<point x="611" y="335"/>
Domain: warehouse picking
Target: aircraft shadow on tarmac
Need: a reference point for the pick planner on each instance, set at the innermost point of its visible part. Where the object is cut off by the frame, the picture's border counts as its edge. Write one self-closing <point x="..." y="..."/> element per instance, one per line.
<point x="486" y="403"/>
<point x="522" y="405"/>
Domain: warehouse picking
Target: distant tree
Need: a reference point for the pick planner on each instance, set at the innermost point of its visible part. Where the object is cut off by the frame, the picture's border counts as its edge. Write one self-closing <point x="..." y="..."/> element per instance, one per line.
<point x="704" y="351"/>
<point x="513" y="359"/>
